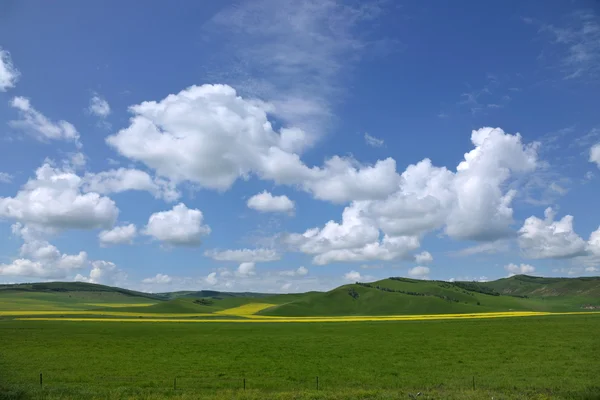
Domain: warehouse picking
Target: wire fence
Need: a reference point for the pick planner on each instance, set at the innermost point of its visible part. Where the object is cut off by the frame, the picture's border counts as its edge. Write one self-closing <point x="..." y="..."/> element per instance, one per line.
<point x="215" y="382"/>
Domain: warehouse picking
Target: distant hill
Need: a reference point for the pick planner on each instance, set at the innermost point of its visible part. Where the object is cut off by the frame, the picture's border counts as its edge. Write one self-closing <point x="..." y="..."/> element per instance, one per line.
<point x="385" y="297"/>
<point x="62" y="287"/>
<point x="534" y="286"/>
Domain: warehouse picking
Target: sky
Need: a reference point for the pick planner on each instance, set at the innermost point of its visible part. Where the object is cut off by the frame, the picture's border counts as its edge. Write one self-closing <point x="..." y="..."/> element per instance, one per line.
<point x="287" y="146"/>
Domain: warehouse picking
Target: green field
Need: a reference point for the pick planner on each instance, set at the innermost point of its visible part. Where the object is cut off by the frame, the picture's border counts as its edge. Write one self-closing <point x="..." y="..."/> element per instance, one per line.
<point x="382" y="340"/>
<point x="547" y="357"/>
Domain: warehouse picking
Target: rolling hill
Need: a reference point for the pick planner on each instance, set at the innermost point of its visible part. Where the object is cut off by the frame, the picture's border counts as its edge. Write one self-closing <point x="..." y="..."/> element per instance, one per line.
<point x="392" y="296"/>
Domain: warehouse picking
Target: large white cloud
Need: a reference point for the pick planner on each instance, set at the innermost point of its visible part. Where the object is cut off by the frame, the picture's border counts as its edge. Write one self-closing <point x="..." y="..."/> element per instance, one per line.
<point x="38" y="125"/>
<point x="9" y="75"/>
<point x="246" y="269"/>
<point x="54" y="199"/>
<point x="595" y="154"/>
<point x="547" y="238"/>
<point x="244" y="255"/>
<point x="210" y="136"/>
<point x="266" y="202"/>
<point x="124" y="179"/>
<point x="423" y="257"/>
<point x="118" y="235"/>
<point x="179" y="226"/>
<point x="471" y="203"/>
<point x="158" y="279"/>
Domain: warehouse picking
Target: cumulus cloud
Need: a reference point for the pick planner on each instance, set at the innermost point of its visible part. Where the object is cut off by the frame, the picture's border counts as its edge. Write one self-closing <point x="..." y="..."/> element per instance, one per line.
<point x="595" y="154"/>
<point x="40" y="259"/>
<point x="515" y="269"/>
<point x="550" y="239"/>
<point x="266" y="202"/>
<point x="244" y="255"/>
<point x="124" y="179"/>
<point x="424" y="257"/>
<point x="353" y="276"/>
<point x="419" y="272"/>
<point x="179" y="226"/>
<point x="158" y="279"/>
<point x="103" y="272"/>
<point x="118" y="235"/>
<point x="373" y="141"/>
<point x="9" y="75"/>
<point x="99" y="106"/>
<point x="210" y="136"/>
<point x="471" y="203"/>
<point x="54" y="199"/>
<point x="246" y="269"/>
<point x="39" y="126"/>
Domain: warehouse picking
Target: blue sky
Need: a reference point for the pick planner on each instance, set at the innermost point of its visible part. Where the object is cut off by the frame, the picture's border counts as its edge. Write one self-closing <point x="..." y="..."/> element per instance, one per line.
<point x="290" y="146"/>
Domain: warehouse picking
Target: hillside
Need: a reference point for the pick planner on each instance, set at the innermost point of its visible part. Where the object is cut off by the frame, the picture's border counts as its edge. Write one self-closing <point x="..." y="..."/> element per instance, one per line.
<point x="533" y="286"/>
<point x="393" y="296"/>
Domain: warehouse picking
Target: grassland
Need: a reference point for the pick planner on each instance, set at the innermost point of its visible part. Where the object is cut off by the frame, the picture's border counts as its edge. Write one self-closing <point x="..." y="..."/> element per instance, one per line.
<point x="535" y="357"/>
<point x="380" y="340"/>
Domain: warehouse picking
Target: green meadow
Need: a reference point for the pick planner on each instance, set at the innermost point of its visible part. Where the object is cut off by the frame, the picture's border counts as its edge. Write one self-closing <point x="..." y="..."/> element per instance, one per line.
<point x="532" y="357"/>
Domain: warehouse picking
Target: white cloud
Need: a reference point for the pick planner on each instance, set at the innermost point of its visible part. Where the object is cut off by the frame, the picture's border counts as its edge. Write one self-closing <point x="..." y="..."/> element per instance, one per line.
<point x="595" y="154"/>
<point x="266" y="202"/>
<point x="124" y="179"/>
<point x="246" y="269"/>
<point x="40" y="259"/>
<point x="470" y="204"/>
<point x="354" y="239"/>
<point x="373" y="141"/>
<point x="118" y="235"/>
<point x="244" y="255"/>
<point x="158" y="279"/>
<point x="293" y="52"/>
<point x="550" y="239"/>
<point x="99" y="106"/>
<point x="577" y="45"/>
<point x="423" y="258"/>
<point x="353" y="276"/>
<point x="36" y="124"/>
<point x="179" y="226"/>
<point x="53" y="199"/>
<point x="419" y="272"/>
<point x="515" y="269"/>
<point x="211" y="279"/>
<point x="104" y="272"/>
<point x="5" y="177"/>
<point x="9" y="75"/>
<point x="210" y="136"/>
<point x="301" y="271"/>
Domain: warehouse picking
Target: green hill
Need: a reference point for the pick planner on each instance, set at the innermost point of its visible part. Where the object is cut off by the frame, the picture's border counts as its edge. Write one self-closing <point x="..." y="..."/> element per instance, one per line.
<point x="385" y="297"/>
<point x="534" y="286"/>
<point x="411" y="296"/>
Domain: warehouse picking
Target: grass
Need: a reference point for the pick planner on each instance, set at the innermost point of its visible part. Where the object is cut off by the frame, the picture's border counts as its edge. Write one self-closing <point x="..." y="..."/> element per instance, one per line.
<point x="534" y="357"/>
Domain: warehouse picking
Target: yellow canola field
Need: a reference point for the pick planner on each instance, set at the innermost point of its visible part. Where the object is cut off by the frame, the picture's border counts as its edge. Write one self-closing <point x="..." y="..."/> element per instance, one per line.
<point x="322" y="319"/>
<point x="117" y="305"/>
<point x="245" y="310"/>
<point x="105" y="313"/>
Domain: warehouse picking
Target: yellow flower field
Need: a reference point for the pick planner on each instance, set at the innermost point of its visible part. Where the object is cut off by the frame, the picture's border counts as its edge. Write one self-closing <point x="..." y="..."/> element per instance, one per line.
<point x="257" y="319"/>
<point x="246" y="309"/>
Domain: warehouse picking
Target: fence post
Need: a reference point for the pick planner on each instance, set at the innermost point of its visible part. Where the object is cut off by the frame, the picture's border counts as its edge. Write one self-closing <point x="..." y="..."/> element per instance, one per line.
<point x="41" y="380"/>
<point x="175" y="383"/>
<point x="473" y="383"/>
<point x="244" y="383"/>
<point x="317" y="383"/>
